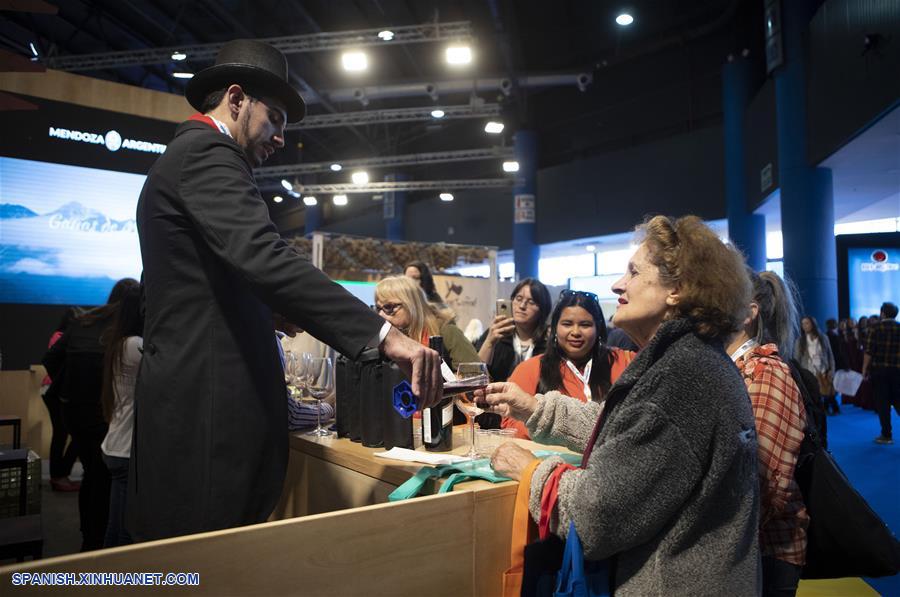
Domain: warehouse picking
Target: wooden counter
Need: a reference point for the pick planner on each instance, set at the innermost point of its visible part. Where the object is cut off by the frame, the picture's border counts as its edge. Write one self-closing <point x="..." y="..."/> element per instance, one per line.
<point x="328" y="474"/>
<point x="457" y="542"/>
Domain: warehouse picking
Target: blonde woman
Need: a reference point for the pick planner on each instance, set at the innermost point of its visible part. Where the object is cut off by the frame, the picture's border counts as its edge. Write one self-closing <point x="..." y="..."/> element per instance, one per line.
<point x="399" y="300"/>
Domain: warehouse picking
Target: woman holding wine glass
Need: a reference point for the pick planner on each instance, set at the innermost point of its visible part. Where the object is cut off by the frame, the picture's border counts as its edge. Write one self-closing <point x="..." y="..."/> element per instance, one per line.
<point x="577" y="362"/>
<point x="668" y="489"/>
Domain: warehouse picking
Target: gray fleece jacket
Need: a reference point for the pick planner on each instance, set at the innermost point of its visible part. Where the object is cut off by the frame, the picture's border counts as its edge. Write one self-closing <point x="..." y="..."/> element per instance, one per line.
<point x="671" y="489"/>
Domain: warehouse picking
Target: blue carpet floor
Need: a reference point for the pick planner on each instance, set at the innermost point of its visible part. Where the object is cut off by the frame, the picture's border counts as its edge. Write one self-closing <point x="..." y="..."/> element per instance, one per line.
<point x="873" y="469"/>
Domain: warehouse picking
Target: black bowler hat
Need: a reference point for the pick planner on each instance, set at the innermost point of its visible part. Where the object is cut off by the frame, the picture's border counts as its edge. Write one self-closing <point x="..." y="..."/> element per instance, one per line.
<point x="259" y="66"/>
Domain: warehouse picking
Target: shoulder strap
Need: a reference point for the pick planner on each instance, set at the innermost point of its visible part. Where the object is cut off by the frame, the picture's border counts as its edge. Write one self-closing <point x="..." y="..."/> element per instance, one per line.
<point x="812" y="439"/>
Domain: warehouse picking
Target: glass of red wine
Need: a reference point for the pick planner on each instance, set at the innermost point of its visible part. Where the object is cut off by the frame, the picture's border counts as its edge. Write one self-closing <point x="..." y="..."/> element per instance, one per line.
<point x="469" y="377"/>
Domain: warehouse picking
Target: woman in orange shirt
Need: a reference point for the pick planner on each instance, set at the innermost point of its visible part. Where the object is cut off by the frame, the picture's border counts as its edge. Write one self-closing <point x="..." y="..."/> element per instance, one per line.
<point x="577" y="362"/>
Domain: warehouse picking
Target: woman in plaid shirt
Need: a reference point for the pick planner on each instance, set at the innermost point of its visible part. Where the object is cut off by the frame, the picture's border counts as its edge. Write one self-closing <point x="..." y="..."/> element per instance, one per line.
<point x="758" y="351"/>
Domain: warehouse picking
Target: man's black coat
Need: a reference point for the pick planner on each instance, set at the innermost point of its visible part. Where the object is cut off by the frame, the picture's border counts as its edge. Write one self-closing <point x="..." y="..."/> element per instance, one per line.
<point x="210" y="435"/>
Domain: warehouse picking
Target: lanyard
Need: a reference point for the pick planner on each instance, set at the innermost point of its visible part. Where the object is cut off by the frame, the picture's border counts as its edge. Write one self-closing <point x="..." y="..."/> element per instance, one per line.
<point x="743" y="349"/>
<point x="213" y="122"/>
<point x="221" y="126"/>
<point x="523" y="352"/>
<point x="584" y="378"/>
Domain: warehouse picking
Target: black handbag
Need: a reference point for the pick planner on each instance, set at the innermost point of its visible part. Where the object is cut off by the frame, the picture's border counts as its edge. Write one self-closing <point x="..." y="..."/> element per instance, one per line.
<point x="845" y="536"/>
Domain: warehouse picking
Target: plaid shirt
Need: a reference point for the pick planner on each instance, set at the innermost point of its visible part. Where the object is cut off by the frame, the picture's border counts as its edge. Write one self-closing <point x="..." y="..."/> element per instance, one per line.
<point x="780" y="423"/>
<point x="883" y="344"/>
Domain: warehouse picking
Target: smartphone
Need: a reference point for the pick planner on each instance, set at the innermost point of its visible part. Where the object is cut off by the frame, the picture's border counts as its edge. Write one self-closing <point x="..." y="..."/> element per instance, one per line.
<point x="504" y="307"/>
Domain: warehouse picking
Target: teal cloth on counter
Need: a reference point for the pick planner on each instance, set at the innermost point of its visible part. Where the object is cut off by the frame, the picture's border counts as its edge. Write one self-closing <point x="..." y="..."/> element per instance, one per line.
<point x="463" y="471"/>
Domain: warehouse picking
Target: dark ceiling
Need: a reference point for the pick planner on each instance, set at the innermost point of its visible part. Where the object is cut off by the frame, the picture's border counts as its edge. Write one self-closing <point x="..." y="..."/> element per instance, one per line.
<point x="660" y="76"/>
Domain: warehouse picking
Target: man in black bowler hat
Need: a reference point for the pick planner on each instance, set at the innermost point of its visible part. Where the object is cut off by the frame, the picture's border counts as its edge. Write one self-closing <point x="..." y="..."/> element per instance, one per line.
<point x="210" y="447"/>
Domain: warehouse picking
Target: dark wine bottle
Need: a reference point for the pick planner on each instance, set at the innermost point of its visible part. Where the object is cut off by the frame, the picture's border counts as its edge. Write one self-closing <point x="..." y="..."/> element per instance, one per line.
<point x="437" y="421"/>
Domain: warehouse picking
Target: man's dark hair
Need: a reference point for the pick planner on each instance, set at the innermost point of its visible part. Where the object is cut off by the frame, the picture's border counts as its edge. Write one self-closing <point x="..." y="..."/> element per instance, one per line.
<point x="889" y="310"/>
<point x="212" y="100"/>
<point x="831" y="324"/>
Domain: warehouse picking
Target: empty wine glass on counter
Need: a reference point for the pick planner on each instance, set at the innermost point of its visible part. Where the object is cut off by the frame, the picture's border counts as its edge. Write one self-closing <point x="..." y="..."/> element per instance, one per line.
<point x="320" y="384"/>
<point x="293" y="374"/>
<point x="470" y="377"/>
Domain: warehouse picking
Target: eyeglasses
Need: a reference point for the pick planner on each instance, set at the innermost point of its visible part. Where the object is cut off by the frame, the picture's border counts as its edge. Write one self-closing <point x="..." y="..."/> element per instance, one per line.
<point x="388" y="308"/>
<point x="585" y="294"/>
<point x="521" y="300"/>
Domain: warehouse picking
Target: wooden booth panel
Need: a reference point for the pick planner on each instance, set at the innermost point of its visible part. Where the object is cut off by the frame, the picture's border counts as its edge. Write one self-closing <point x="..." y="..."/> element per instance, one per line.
<point x="422" y="546"/>
<point x="20" y="395"/>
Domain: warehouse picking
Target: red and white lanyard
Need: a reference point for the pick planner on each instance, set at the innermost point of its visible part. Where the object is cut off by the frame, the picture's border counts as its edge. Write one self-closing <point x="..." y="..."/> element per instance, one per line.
<point x="584" y="378"/>
<point x="221" y="126"/>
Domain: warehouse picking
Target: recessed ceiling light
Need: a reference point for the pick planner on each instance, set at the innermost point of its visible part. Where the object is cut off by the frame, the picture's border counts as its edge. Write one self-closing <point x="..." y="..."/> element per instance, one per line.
<point x="386" y="35"/>
<point x="360" y="177"/>
<point x="310" y="200"/>
<point x="354" y="61"/>
<point x="437" y="113"/>
<point x="178" y="56"/>
<point x="183" y="75"/>
<point x="459" y="55"/>
<point x="510" y="166"/>
<point x="277" y="198"/>
<point x="336" y="167"/>
<point x="339" y="199"/>
<point x="287" y="185"/>
<point x="33" y="49"/>
<point x="446" y="196"/>
<point x="590" y="248"/>
<point x="624" y="19"/>
<point x="493" y="127"/>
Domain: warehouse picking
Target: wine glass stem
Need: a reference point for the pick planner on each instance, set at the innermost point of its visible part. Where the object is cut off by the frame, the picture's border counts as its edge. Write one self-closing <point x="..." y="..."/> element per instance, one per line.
<point x="471" y="435"/>
<point x="318" y="416"/>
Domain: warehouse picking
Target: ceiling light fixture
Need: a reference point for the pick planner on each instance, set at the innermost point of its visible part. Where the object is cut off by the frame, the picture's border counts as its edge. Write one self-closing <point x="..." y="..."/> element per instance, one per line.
<point x="385" y="35"/>
<point x="178" y="56"/>
<point x="277" y="198"/>
<point x="310" y="200"/>
<point x="446" y="196"/>
<point x="510" y="166"/>
<point x="339" y="199"/>
<point x="287" y="185"/>
<point x="336" y="167"/>
<point x="459" y="55"/>
<point x="354" y="61"/>
<point x="33" y="49"/>
<point x="493" y="127"/>
<point x="180" y="75"/>
<point x="624" y="19"/>
<point x="590" y="248"/>
<point x="437" y="113"/>
<point x="360" y="177"/>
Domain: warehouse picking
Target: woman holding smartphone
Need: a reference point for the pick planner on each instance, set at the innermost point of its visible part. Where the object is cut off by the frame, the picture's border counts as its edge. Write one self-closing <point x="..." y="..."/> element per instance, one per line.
<point x="517" y="336"/>
<point x="577" y="362"/>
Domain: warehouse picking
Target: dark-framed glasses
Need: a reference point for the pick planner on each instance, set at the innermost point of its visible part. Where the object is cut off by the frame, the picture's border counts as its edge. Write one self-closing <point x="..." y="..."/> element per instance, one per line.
<point x="388" y="308"/>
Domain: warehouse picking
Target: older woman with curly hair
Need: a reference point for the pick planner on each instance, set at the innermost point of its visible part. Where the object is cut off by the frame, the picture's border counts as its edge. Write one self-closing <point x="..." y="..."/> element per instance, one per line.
<point x="668" y="483"/>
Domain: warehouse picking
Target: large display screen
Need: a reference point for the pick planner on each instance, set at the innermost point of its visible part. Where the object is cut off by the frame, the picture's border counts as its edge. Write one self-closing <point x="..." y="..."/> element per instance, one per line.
<point x="67" y="233"/>
<point x="873" y="276"/>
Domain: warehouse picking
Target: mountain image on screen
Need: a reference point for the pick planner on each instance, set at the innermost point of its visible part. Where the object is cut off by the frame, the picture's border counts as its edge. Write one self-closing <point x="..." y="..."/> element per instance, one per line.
<point x="66" y="233"/>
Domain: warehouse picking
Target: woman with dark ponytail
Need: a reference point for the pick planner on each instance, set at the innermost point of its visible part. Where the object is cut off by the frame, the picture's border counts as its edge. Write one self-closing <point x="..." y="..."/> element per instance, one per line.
<point x="577" y="361"/>
<point x="79" y="352"/>
<point x="418" y="271"/>
<point x="761" y="351"/>
<point x="121" y="360"/>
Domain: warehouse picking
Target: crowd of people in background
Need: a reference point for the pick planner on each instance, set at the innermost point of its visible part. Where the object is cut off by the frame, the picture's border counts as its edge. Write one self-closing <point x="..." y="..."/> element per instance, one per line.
<point x="558" y="381"/>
